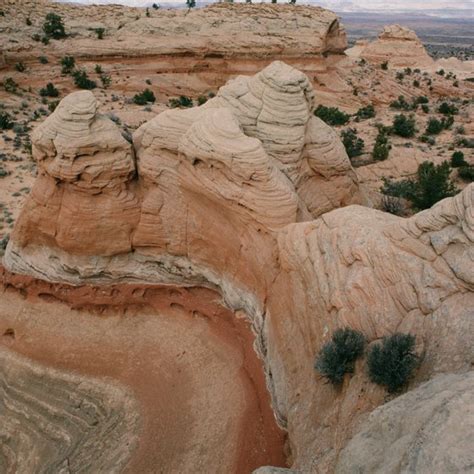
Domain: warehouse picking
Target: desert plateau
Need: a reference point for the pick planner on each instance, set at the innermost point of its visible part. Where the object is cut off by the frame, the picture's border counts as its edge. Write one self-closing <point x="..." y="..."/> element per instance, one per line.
<point x="235" y="238"/>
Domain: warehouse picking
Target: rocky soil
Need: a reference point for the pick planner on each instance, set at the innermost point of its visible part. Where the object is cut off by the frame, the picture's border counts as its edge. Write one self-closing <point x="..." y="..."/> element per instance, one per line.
<point x="177" y="268"/>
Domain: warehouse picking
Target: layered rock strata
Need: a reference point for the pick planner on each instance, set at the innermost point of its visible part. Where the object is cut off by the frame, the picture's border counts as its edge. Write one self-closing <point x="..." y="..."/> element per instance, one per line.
<point x="234" y="196"/>
<point x="57" y="422"/>
<point x="396" y="45"/>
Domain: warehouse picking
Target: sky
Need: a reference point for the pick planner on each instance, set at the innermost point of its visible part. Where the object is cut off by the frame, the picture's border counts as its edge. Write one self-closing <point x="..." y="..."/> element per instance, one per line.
<point x="339" y="5"/>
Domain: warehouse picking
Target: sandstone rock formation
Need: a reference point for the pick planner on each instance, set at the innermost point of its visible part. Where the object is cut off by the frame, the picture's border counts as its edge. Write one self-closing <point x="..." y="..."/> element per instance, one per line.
<point x="397" y="45"/>
<point x="429" y="429"/>
<point x="200" y="32"/>
<point x="56" y="422"/>
<point x="240" y="196"/>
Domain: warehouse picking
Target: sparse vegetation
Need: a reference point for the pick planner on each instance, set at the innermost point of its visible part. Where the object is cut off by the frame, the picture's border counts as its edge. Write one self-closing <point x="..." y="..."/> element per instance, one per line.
<point x="10" y="85"/>
<point x="457" y="159"/>
<point x="49" y="91"/>
<point x="100" y="33"/>
<point x="144" y="97"/>
<point x="337" y="357"/>
<point x="366" y="112"/>
<point x="382" y="146"/>
<point x="81" y="80"/>
<point x="331" y="115"/>
<point x="352" y="143"/>
<point x="404" y="126"/>
<point x="447" y="109"/>
<point x="435" y="126"/>
<point x="68" y="63"/>
<point x="182" y="101"/>
<point x="20" y="67"/>
<point x="53" y="26"/>
<point x="466" y="173"/>
<point x="431" y="184"/>
<point x="392" y="362"/>
<point x="6" y="121"/>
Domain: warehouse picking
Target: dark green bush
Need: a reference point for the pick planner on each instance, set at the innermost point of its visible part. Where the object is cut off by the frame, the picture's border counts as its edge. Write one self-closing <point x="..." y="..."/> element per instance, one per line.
<point x="181" y="101"/>
<point x="447" y="109"/>
<point x="382" y="146"/>
<point x="352" y="143"/>
<point x="144" y="97"/>
<point x="425" y="108"/>
<point x="421" y="99"/>
<point x="384" y="65"/>
<point x="49" y="91"/>
<point x="457" y="159"/>
<point x="10" y="85"/>
<point x="392" y="362"/>
<point x="337" y="357"/>
<point x="81" y="79"/>
<point x="100" y="33"/>
<point x="53" y="26"/>
<point x="67" y="64"/>
<point x="401" y="104"/>
<point x="20" y="67"/>
<point x="404" y="126"/>
<point x="432" y="183"/>
<point x="5" y="121"/>
<point x="366" y="112"/>
<point x="43" y="60"/>
<point x="331" y="115"/>
<point x="202" y="99"/>
<point x="392" y="205"/>
<point x="466" y="173"/>
<point x="434" y="126"/>
<point x="106" y="80"/>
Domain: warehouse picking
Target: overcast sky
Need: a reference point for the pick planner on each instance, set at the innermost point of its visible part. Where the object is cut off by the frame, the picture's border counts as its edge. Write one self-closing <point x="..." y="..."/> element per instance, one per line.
<point x="342" y="5"/>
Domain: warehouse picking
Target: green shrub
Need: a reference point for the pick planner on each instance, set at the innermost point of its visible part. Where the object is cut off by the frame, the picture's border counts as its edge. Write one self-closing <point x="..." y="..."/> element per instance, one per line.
<point x="457" y="159"/>
<point x="5" y="121"/>
<point x="81" y="80"/>
<point x="100" y="33"/>
<point x="10" y="85"/>
<point x="384" y="65"/>
<point x="182" y="101"/>
<point x="331" y="115"/>
<point x="52" y="105"/>
<point x="144" y="97"/>
<point x="421" y="99"/>
<point x="431" y="184"/>
<point x="337" y="357"/>
<point x="447" y="109"/>
<point x="352" y="143"/>
<point x="434" y="126"/>
<point x="67" y="64"/>
<point x="428" y="139"/>
<point x="106" y="80"/>
<point x="382" y="146"/>
<point x="49" y="91"/>
<point x="202" y="99"/>
<point x="98" y="69"/>
<point x="416" y="83"/>
<point x="45" y="40"/>
<point x="404" y="126"/>
<point x="43" y="60"/>
<point x="440" y="72"/>
<point x="53" y="27"/>
<point x="190" y="3"/>
<point x="466" y="173"/>
<point x="401" y="104"/>
<point x="366" y="112"/>
<point x="20" y="67"/>
<point x="425" y="108"/>
<point x="392" y="362"/>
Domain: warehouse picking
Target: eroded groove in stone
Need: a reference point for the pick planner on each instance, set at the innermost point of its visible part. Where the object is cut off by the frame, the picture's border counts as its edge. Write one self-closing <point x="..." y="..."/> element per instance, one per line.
<point x="52" y="422"/>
